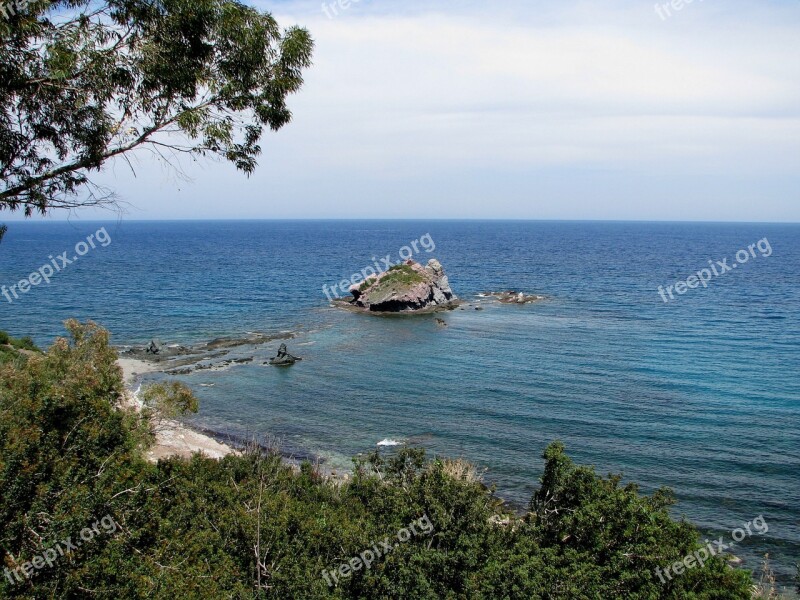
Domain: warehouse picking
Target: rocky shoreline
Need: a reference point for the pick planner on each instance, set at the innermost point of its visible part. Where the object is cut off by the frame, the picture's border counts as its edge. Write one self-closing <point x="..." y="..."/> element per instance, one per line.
<point x="176" y="359"/>
<point x="175" y="438"/>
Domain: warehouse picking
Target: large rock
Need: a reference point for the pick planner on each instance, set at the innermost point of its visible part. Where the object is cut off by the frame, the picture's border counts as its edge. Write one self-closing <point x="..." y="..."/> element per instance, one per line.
<point x="407" y="287"/>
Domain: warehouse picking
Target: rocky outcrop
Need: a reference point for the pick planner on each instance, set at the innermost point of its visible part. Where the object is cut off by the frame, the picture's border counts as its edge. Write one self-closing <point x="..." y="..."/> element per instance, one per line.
<point x="284" y="359"/>
<point x="405" y="288"/>
<point x="177" y="355"/>
<point x="512" y="297"/>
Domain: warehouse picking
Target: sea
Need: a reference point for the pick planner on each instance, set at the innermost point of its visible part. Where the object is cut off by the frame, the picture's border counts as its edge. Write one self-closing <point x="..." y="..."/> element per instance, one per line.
<point x="639" y="365"/>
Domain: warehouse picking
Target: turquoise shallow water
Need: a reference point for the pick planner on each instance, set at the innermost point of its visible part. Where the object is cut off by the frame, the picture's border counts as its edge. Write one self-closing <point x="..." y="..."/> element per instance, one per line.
<point x="700" y="394"/>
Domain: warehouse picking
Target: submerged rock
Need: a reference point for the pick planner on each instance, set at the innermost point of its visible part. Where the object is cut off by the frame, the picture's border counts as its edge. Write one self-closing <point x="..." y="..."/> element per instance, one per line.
<point x="512" y="297"/>
<point x="405" y="288"/>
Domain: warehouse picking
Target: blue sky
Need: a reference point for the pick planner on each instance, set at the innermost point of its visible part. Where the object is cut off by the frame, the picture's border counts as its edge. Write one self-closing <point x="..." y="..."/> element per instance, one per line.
<point x="519" y="109"/>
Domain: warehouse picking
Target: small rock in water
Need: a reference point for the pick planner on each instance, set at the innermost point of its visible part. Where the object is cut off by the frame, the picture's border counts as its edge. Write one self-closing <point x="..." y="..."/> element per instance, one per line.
<point x="284" y="359"/>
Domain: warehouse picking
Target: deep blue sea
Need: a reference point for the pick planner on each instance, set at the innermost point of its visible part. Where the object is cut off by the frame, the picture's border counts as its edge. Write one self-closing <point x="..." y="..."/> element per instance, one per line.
<point x="700" y="394"/>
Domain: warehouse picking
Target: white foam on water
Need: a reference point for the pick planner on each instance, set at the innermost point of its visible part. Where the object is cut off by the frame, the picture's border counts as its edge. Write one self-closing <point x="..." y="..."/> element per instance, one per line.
<point x="388" y="442"/>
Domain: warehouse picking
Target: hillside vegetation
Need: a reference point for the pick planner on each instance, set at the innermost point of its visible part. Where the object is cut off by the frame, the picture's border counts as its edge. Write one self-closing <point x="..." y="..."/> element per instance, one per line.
<point x="250" y="526"/>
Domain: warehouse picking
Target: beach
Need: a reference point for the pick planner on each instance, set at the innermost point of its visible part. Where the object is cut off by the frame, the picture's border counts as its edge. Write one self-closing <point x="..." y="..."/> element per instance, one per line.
<point x="172" y="437"/>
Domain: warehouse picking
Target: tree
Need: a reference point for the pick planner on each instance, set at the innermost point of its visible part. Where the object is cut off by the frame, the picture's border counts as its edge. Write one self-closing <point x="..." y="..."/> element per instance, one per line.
<point x="83" y="82"/>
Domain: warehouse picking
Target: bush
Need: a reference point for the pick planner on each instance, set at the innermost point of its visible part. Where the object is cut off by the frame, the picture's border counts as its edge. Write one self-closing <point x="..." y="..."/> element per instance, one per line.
<point x="25" y="343"/>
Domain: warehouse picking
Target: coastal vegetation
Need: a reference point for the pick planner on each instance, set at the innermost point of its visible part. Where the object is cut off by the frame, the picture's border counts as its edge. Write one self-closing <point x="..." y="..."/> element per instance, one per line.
<point x="398" y="275"/>
<point x="251" y="526"/>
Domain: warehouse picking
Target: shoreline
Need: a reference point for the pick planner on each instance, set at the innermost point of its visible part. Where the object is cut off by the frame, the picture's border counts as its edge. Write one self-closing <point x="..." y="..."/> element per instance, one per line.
<point x="172" y="438"/>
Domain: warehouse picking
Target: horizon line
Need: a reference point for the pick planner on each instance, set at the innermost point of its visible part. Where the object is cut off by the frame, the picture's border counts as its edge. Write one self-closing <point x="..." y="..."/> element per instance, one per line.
<point x="42" y="220"/>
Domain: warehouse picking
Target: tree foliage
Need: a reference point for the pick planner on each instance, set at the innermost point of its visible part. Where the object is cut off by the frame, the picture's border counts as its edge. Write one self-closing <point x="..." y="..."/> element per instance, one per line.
<point x="169" y="399"/>
<point x="83" y="82"/>
<point x="250" y="526"/>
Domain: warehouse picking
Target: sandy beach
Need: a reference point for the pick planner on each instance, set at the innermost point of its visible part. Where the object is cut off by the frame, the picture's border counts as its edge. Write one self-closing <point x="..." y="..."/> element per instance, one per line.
<point x="172" y="438"/>
<point x="132" y="368"/>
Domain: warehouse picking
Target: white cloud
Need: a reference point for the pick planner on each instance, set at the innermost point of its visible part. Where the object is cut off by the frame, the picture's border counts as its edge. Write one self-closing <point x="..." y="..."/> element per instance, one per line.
<point x="403" y="93"/>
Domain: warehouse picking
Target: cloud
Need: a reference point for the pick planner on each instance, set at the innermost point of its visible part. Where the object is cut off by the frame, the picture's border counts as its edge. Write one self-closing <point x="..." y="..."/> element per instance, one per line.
<point x="597" y="94"/>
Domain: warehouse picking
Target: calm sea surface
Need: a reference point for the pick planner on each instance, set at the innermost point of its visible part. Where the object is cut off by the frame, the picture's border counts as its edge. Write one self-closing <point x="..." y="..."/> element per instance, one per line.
<point x="701" y="394"/>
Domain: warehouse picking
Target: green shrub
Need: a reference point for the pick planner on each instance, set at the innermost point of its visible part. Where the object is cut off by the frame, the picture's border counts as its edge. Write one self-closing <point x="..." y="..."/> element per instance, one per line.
<point x="25" y="343"/>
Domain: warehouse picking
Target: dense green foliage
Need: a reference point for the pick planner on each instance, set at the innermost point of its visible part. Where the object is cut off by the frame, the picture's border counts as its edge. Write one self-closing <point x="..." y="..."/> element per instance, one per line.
<point x="252" y="527"/>
<point x="82" y="82"/>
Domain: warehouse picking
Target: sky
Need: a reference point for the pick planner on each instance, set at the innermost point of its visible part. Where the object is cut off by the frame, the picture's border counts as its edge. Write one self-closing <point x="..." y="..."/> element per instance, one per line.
<point x="514" y="109"/>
